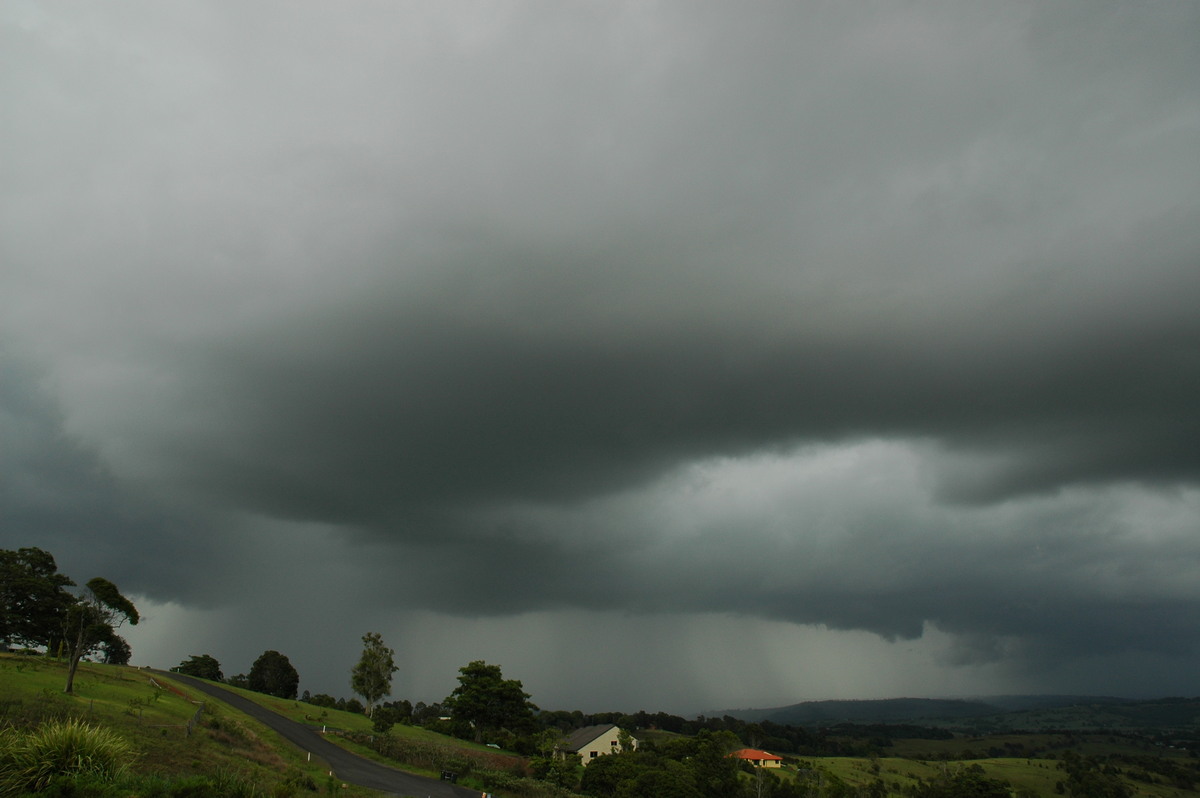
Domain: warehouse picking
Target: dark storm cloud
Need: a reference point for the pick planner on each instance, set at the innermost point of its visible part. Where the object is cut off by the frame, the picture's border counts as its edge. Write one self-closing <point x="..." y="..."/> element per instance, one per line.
<point x="527" y="335"/>
<point x="442" y="399"/>
<point x="1078" y="574"/>
<point x="529" y="298"/>
<point x="58" y="494"/>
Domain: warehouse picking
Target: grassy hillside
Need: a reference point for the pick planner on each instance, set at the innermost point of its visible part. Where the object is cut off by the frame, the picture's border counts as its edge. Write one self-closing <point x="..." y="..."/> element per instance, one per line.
<point x="415" y="749"/>
<point x="1028" y="777"/>
<point x="158" y="715"/>
<point x="155" y="715"/>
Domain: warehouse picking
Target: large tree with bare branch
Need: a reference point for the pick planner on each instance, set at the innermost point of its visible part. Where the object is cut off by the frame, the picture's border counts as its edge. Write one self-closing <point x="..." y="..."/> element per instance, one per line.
<point x="92" y="621"/>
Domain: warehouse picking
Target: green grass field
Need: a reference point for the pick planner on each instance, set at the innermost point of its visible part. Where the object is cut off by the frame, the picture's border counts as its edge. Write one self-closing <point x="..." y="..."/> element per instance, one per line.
<point x="1018" y="746"/>
<point x="155" y="719"/>
<point x="1027" y="776"/>
<point x="154" y="711"/>
<point x="431" y="750"/>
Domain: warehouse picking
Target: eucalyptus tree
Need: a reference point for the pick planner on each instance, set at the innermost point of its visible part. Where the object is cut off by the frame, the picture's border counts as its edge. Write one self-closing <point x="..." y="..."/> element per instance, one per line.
<point x="92" y="621"/>
<point x="371" y="678"/>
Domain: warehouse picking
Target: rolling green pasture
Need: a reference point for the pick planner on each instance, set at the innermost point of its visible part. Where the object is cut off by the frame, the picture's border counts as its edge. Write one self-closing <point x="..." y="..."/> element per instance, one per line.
<point x="1020" y="746"/>
<point x="1027" y="776"/>
<point x="155" y="720"/>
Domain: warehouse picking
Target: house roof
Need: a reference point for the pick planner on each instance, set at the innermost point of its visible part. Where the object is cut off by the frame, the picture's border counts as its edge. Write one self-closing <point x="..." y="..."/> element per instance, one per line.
<point x="754" y="753"/>
<point x="581" y="737"/>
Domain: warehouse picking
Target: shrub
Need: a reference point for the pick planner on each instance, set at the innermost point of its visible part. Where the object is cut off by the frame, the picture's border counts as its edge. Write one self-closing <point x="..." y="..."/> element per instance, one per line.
<point x="29" y="762"/>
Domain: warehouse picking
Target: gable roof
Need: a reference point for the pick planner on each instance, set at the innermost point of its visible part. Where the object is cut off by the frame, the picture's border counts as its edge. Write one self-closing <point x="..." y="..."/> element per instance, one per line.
<point x="754" y="753"/>
<point x="581" y="737"/>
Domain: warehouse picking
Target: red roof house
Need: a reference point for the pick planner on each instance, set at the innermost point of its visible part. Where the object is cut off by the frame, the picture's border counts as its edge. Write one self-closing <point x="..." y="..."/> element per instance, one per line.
<point x="760" y="759"/>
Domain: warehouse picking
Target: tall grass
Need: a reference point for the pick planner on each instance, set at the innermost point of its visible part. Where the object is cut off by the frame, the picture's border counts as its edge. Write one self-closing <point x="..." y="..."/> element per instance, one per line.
<point x="155" y="787"/>
<point x="29" y="761"/>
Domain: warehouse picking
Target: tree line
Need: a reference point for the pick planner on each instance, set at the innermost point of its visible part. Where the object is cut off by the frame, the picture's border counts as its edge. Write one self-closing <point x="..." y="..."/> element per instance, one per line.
<point x="484" y="703"/>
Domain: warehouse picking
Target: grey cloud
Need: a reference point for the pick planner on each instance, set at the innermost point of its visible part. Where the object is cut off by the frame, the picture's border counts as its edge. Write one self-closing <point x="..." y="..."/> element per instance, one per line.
<point x="415" y="405"/>
<point x="847" y="553"/>
<point x="474" y="289"/>
<point x="58" y="494"/>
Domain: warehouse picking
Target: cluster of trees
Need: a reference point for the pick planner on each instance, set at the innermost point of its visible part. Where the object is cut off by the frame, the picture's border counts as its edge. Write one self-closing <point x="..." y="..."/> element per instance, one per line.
<point x="484" y="705"/>
<point x="37" y="611"/>
<point x="1092" y="777"/>
<point x="272" y="673"/>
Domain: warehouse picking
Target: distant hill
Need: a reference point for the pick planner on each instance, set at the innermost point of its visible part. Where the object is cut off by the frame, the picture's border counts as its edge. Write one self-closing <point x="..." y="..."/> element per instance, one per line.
<point x="994" y="713"/>
<point x="1095" y="714"/>
<point x="1016" y="703"/>
<point x="887" y="710"/>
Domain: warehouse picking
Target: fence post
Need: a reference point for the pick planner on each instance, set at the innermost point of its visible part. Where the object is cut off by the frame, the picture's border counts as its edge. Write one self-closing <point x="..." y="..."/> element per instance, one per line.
<point x="195" y="717"/>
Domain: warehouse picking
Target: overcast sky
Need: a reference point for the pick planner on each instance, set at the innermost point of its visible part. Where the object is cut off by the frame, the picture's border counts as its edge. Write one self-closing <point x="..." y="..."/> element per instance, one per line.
<point x="671" y="355"/>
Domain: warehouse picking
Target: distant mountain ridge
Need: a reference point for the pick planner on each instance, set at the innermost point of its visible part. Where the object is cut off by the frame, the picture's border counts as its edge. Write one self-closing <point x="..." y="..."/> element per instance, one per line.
<point x="1019" y="703"/>
<point x="883" y="710"/>
<point x="1012" y="711"/>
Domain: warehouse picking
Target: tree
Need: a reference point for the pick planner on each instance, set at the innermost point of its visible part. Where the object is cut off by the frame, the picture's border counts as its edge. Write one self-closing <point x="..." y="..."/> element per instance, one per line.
<point x="204" y="666"/>
<point x="969" y="783"/>
<point x="116" y="650"/>
<point x="558" y="768"/>
<point x="384" y="718"/>
<point x="1089" y="776"/>
<point x="673" y="780"/>
<point x="272" y="673"/>
<point x="486" y="700"/>
<point x="371" y="678"/>
<point x="403" y="710"/>
<point x="33" y="598"/>
<point x="93" y="620"/>
<point x="423" y="713"/>
<point x="714" y="770"/>
<point x="321" y="700"/>
<point x="605" y="775"/>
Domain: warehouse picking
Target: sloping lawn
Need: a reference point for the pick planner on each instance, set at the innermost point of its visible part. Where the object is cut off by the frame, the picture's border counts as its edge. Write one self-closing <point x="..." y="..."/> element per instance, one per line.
<point x="155" y="719"/>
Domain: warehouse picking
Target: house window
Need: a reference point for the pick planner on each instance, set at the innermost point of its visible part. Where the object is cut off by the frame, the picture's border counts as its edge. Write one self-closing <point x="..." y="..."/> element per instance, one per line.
<point x="595" y="754"/>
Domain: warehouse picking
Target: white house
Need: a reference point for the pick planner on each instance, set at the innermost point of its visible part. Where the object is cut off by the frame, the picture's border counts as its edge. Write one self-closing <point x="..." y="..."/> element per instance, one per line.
<point x="593" y="741"/>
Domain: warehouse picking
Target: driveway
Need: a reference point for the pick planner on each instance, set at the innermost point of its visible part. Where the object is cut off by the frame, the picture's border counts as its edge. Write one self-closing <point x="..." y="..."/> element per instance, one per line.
<point x="346" y="766"/>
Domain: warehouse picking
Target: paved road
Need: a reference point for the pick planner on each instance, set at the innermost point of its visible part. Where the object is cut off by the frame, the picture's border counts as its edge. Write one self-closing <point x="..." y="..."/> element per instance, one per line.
<point x="347" y="766"/>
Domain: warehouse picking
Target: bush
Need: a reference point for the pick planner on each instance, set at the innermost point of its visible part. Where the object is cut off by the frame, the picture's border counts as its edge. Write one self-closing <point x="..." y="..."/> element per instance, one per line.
<point x="29" y="762"/>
